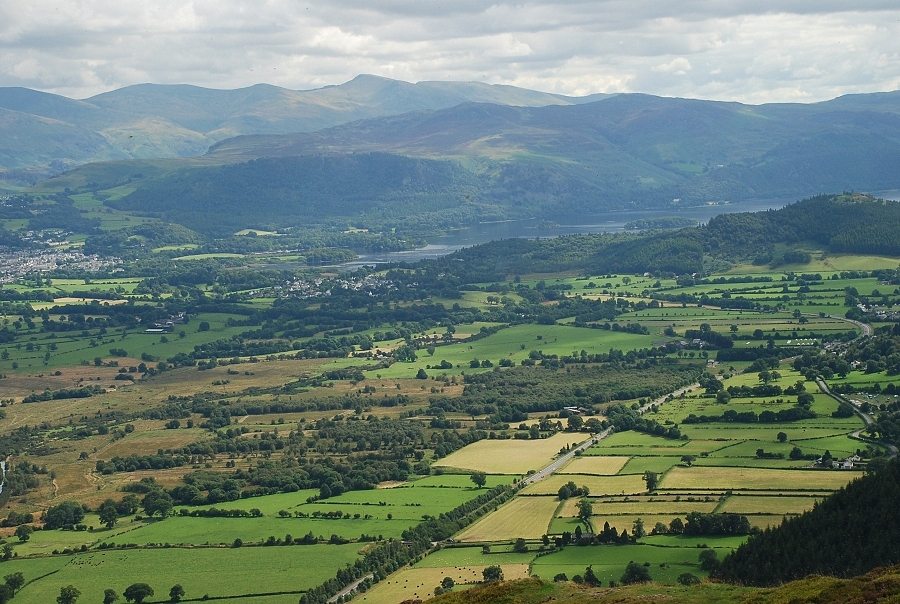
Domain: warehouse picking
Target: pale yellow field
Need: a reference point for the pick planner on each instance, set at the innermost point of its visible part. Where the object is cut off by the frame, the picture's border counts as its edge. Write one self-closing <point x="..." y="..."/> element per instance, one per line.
<point x="597" y="485"/>
<point x="772" y="520"/>
<point x="641" y="507"/>
<point x="419" y="583"/>
<point x="601" y="466"/>
<point x="755" y="504"/>
<point x="711" y="478"/>
<point x="526" y="517"/>
<point x="509" y="456"/>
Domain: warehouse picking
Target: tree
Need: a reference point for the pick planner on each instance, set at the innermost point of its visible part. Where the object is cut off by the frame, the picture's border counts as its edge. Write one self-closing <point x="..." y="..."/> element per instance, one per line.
<point x="492" y="574"/>
<point x="203" y="326"/>
<point x="709" y="560"/>
<point x="137" y="592"/>
<point x="23" y="532"/>
<point x="109" y="513"/>
<point x="520" y="547"/>
<point x="652" y="480"/>
<point x="635" y="573"/>
<point x="782" y="437"/>
<point x="421" y="375"/>
<point x="110" y="596"/>
<point x="585" y="510"/>
<point x="590" y="578"/>
<point x="575" y="422"/>
<point x="688" y="579"/>
<point x="14" y="582"/>
<point x="68" y="595"/>
<point x="176" y="593"/>
<point x="688" y="459"/>
<point x="479" y="478"/>
<point x="723" y="397"/>
<point x="157" y="502"/>
<point x="65" y="515"/>
<point x="637" y="528"/>
<point x="447" y="583"/>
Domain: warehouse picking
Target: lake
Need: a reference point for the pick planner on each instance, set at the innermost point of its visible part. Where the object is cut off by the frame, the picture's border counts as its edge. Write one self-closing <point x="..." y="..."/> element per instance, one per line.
<point x="604" y="222"/>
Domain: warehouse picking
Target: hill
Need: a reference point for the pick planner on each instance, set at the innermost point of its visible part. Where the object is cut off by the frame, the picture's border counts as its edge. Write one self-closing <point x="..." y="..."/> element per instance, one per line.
<point x="43" y="134"/>
<point x="849" y="533"/>
<point x="552" y="162"/>
<point x="880" y="586"/>
<point x="855" y="223"/>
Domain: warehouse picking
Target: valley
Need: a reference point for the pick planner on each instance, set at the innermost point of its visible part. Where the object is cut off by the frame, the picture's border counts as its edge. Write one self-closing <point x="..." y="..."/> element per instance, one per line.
<point x="406" y="429"/>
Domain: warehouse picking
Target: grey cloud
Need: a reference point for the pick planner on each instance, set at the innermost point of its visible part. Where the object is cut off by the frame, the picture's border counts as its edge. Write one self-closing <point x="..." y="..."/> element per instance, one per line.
<point x="754" y="51"/>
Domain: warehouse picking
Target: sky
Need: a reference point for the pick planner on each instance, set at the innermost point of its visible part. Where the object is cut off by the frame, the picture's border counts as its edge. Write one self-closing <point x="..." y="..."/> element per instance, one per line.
<point x="753" y="51"/>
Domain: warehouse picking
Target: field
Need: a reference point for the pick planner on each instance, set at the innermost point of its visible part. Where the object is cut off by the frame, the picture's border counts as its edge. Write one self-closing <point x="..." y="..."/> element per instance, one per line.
<point x="608" y="562"/>
<point x="598" y="485"/>
<point x="595" y="465"/>
<point x="721" y="479"/>
<point x="420" y="582"/>
<point x="509" y="456"/>
<point x="515" y="343"/>
<point x="198" y="570"/>
<point x="526" y="517"/>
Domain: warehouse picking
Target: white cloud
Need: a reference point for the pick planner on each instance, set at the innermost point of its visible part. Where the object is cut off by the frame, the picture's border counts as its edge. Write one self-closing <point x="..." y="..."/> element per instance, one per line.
<point x="748" y="50"/>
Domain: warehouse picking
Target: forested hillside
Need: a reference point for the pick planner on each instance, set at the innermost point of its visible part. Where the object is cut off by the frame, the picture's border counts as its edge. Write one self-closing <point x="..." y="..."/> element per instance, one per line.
<point x="837" y="223"/>
<point x="848" y="534"/>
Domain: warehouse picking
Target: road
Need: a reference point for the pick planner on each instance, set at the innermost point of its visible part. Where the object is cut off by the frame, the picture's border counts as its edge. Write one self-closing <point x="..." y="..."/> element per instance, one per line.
<point x="865" y="327"/>
<point x="349" y="588"/>
<point x="862" y="415"/>
<point x="563" y="459"/>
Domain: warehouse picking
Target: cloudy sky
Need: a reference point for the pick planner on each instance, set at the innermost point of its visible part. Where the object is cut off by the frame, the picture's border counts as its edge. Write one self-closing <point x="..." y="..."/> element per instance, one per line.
<point x="747" y="50"/>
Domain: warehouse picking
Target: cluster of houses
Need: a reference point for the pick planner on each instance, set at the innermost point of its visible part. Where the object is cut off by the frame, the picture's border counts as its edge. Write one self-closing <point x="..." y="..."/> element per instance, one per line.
<point x="14" y="265"/>
<point x="321" y="287"/>
<point x="879" y="313"/>
<point x="844" y="464"/>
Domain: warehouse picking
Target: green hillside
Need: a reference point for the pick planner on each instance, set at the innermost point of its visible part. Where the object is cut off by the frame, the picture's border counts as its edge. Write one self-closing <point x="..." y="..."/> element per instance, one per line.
<point x="880" y="586"/>
<point x="552" y="162"/>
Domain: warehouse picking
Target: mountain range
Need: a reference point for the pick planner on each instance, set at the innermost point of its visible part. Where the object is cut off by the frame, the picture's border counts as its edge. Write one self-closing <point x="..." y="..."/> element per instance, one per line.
<point x="383" y="153"/>
<point x="44" y="134"/>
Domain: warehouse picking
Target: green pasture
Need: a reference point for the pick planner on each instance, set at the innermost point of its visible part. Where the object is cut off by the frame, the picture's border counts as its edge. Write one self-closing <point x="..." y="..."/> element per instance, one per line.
<point x="216" y="572"/>
<point x="609" y="561"/>
<point x="514" y="343"/>
<point x="73" y="348"/>
<point x="178" y="530"/>
<point x="473" y="556"/>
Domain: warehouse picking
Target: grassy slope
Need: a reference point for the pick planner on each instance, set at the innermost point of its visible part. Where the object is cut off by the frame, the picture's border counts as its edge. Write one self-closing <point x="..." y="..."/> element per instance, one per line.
<point x="881" y="585"/>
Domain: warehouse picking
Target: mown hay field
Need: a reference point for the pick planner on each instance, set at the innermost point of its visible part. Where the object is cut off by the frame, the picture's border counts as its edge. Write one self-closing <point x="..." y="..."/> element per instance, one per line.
<point x="526" y="517"/>
<point x="597" y="485"/>
<point x="419" y="583"/>
<point x="509" y="456"/>
<point x="598" y="465"/>
<point x="739" y="478"/>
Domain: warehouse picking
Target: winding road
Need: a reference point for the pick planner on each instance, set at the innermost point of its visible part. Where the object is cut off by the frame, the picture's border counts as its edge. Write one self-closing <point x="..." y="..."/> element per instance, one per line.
<point x="859" y="412"/>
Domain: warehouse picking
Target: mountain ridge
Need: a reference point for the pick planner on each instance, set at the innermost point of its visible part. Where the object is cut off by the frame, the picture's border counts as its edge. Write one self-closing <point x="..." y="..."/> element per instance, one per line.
<point x="183" y="120"/>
